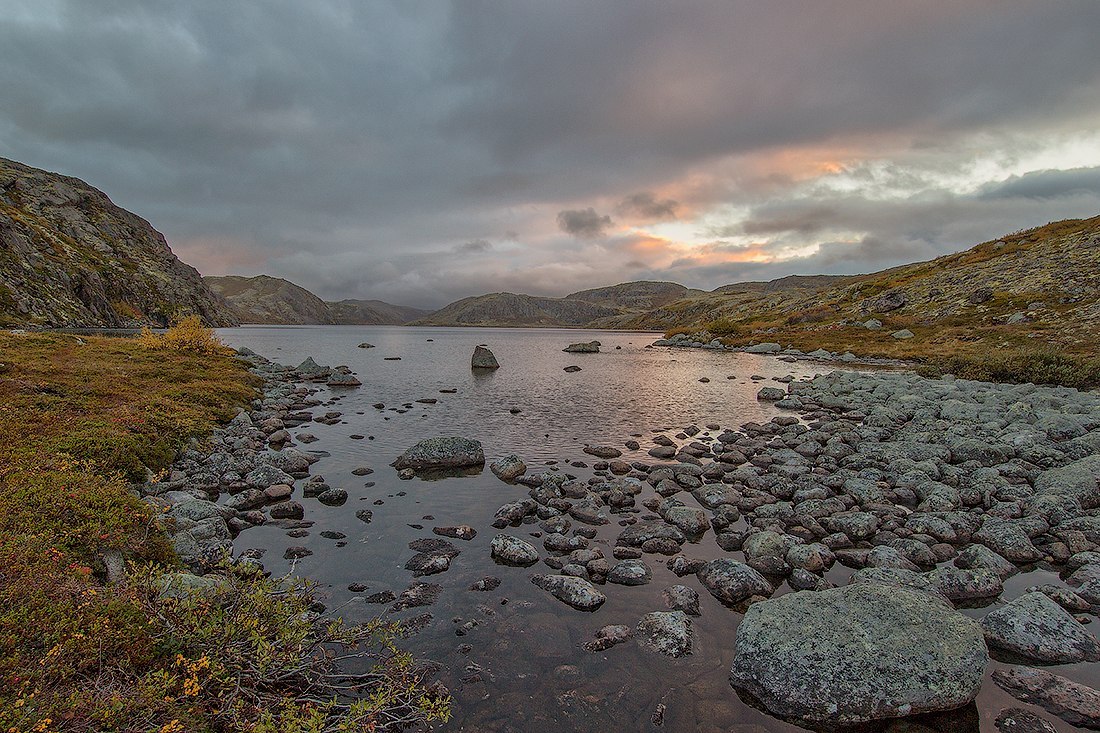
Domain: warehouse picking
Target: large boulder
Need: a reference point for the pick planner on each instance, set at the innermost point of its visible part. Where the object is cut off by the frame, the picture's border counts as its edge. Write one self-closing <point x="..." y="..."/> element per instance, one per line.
<point x="856" y="654"/>
<point x="442" y="453"/>
<point x="483" y="359"/>
<point x="589" y="347"/>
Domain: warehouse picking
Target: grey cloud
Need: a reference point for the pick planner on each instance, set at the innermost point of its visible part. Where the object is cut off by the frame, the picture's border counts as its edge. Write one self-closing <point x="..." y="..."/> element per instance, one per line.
<point x="646" y="207"/>
<point x="335" y="137"/>
<point x="1047" y="184"/>
<point x="583" y="223"/>
<point x="475" y="246"/>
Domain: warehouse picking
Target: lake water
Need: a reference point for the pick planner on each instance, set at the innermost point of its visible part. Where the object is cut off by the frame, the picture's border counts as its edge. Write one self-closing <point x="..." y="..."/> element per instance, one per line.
<point x="526" y="669"/>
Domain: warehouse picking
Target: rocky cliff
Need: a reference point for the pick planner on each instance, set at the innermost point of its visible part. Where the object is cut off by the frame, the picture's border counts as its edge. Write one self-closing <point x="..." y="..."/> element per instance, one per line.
<point x="69" y="257"/>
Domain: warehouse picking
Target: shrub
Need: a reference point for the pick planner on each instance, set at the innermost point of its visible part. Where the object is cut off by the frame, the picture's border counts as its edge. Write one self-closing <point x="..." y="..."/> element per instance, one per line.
<point x="186" y="334"/>
<point x="239" y="653"/>
<point x="1038" y="366"/>
<point x="723" y="328"/>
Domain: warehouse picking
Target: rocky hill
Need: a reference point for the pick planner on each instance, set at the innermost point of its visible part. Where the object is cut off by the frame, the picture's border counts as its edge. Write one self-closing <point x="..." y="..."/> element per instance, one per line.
<point x="275" y="301"/>
<point x="641" y="295"/>
<point x="374" y="313"/>
<point x="510" y="309"/>
<point x="270" y="300"/>
<point x="69" y="257"/>
<point x="1036" y="286"/>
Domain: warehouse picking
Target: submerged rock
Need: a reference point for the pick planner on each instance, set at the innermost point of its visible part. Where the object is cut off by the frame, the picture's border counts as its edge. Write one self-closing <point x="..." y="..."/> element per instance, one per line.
<point x="857" y="654"/>
<point x="453" y="452"/>
<point x="666" y="632"/>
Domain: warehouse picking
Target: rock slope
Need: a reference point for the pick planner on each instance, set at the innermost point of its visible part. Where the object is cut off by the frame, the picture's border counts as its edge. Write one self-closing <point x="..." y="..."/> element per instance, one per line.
<point x="69" y="257"/>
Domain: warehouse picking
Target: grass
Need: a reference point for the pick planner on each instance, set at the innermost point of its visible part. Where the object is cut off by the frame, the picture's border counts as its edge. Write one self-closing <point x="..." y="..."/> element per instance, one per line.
<point x="82" y="418"/>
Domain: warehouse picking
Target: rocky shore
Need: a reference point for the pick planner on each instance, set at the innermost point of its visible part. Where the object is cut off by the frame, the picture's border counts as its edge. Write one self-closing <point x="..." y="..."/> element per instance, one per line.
<point x="851" y="530"/>
<point x="704" y="341"/>
<point x="928" y="493"/>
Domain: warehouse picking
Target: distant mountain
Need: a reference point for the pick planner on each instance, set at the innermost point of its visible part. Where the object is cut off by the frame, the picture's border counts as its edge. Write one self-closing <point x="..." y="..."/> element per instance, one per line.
<point x="275" y="301"/>
<point x="69" y="257"/>
<point x="510" y="309"/>
<point x="373" y="313"/>
<point x="641" y="295"/>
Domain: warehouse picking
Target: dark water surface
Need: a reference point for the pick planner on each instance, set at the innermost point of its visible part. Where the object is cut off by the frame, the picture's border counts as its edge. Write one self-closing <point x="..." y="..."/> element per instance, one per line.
<point x="526" y="670"/>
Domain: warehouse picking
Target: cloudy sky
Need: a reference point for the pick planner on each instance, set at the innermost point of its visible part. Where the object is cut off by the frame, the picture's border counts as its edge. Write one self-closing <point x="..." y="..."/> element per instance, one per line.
<point x="418" y="152"/>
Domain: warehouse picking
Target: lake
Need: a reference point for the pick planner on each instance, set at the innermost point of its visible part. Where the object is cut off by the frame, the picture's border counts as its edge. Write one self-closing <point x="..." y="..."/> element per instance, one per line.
<point x="518" y="664"/>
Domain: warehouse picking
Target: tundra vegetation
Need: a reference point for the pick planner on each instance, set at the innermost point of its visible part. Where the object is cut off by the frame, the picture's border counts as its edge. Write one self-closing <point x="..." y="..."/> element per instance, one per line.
<point x="84" y="419"/>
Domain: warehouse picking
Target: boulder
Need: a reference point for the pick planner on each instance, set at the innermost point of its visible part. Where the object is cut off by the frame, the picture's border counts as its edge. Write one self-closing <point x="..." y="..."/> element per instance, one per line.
<point x="1035" y="627"/>
<point x="576" y="592"/>
<point x="483" y="359"/>
<point x="512" y="550"/>
<point x="1072" y="702"/>
<point x="665" y="632"/>
<point x="590" y="347"/>
<point x="856" y="654"/>
<point x="508" y="468"/>
<point x="765" y="348"/>
<point x="732" y="582"/>
<point x="453" y="452"/>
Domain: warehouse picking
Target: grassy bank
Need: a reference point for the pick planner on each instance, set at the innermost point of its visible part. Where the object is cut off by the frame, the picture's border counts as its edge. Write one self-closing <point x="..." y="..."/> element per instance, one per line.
<point x="81" y="419"/>
<point x="995" y="353"/>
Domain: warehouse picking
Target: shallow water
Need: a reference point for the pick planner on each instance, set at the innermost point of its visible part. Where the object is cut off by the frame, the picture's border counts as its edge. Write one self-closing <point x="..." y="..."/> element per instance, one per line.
<point x="530" y="669"/>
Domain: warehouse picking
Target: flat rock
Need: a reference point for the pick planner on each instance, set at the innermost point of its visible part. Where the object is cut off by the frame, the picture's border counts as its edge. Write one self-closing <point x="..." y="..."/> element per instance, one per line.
<point x="1074" y="703"/>
<point x="442" y="452"/>
<point x="1035" y="627"/>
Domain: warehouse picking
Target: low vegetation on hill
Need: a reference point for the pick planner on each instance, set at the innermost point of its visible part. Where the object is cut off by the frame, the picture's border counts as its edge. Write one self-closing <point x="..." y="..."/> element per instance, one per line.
<point x="1025" y="307"/>
<point x="94" y="635"/>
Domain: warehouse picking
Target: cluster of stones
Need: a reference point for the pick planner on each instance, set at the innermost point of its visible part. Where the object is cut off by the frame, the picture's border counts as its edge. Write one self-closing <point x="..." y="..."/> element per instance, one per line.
<point x="932" y="492"/>
<point x="704" y="341"/>
<point x="248" y="471"/>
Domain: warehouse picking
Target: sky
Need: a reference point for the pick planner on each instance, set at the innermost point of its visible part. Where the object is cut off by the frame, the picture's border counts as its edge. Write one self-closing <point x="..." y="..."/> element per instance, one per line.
<point x="419" y="152"/>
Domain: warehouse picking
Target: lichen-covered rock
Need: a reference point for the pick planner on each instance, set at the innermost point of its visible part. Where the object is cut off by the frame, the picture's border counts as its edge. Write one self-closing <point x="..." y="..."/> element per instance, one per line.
<point x="508" y="468"/>
<point x="576" y="592"/>
<point x="1072" y="702"/>
<point x="857" y="654"/>
<point x="1036" y="627"/>
<point x="453" y="452"/>
<point x="666" y="632"/>
<point x="732" y="582"/>
<point x="512" y="550"/>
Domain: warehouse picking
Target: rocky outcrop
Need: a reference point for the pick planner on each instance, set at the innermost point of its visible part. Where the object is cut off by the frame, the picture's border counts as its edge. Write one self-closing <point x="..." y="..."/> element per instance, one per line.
<point x="69" y="257"/>
<point x="856" y="654"/>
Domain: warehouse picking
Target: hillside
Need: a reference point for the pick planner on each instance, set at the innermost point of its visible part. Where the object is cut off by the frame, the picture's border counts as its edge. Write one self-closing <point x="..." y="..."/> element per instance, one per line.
<point x="69" y="257"/>
<point x="270" y="300"/>
<point x="374" y="313"/>
<point x="1033" y="287"/>
<point x="274" y="301"/>
<point x="510" y="309"/>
